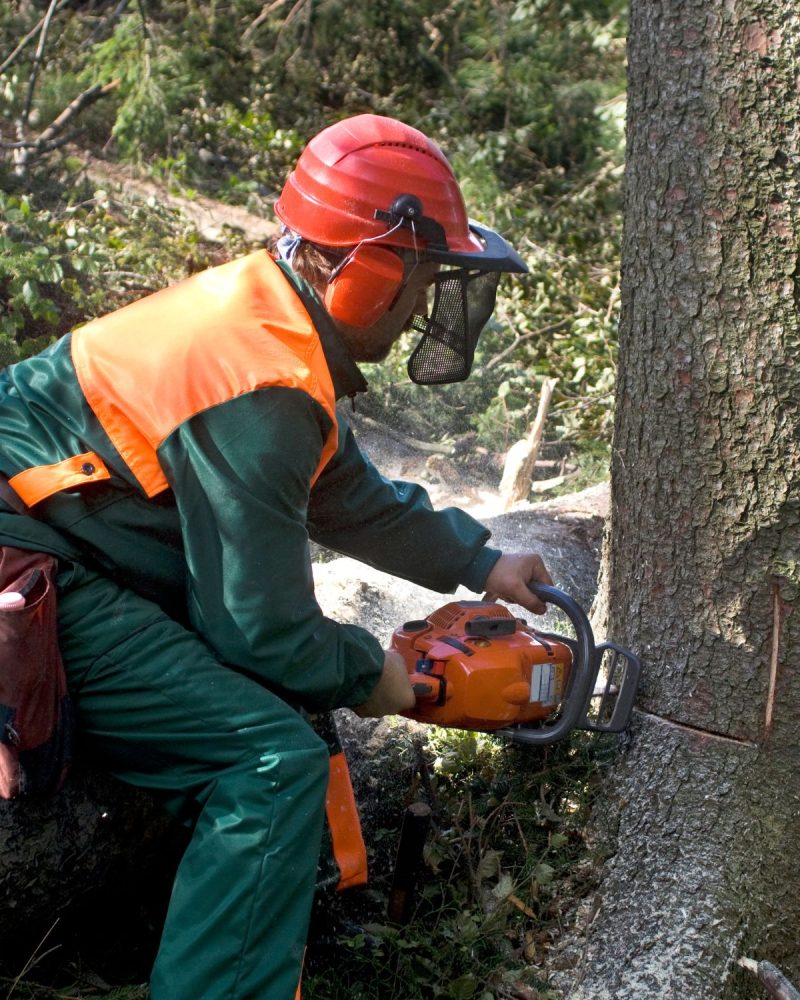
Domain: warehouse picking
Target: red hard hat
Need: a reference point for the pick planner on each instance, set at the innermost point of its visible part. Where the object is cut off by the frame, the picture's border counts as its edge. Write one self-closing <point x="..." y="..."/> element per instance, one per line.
<point x="369" y="177"/>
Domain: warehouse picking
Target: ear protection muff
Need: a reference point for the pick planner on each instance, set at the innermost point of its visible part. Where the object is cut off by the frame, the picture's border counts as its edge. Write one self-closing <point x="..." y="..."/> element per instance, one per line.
<point x="364" y="285"/>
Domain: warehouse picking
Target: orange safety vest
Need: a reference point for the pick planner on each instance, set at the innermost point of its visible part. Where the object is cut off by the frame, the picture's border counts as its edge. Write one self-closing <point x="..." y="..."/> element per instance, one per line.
<point x="150" y="366"/>
<point x="147" y="368"/>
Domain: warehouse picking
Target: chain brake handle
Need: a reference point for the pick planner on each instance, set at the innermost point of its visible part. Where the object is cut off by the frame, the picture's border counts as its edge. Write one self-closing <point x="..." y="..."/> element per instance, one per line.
<point x="587" y="660"/>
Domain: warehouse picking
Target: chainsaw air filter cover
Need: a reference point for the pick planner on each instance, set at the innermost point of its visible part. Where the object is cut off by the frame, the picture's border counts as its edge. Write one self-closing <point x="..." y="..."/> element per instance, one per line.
<point x="474" y="665"/>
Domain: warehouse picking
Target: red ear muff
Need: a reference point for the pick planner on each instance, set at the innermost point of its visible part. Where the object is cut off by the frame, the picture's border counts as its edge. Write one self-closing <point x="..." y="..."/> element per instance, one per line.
<point x="365" y="287"/>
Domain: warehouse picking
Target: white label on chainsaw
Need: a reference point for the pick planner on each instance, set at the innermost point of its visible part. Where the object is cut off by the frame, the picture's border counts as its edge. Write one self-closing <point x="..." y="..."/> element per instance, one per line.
<point x="544" y="683"/>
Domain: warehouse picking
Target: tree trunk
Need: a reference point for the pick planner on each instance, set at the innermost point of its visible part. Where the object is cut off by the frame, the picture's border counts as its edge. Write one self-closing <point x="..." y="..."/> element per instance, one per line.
<point x="702" y="563"/>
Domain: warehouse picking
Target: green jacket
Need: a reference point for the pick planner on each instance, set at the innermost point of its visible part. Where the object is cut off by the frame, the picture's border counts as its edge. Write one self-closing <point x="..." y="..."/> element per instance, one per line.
<point x="225" y="549"/>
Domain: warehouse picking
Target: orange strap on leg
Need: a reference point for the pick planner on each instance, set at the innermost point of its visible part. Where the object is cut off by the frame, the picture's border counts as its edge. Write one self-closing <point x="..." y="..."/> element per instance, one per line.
<point x="345" y="826"/>
<point x="298" y="994"/>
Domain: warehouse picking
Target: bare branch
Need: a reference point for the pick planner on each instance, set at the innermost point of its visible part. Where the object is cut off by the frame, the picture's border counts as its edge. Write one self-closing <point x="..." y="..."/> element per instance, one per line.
<point x="37" y="60"/>
<point x="541" y="332"/>
<point x="266" y="10"/>
<point x="107" y="23"/>
<point x="36" y="146"/>
<point x="589" y="184"/>
<point x="31" y="34"/>
<point x="294" y="11"/>
<point x="51" y="137"/>
<point x="75" y="106"/>
<point x="545" y="485"/>
<point x="427" y="446"/>
<point x="145" y="28"/>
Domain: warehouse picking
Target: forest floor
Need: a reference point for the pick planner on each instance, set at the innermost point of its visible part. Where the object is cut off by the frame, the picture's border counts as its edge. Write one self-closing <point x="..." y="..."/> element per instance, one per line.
<point x="211" y="218"/>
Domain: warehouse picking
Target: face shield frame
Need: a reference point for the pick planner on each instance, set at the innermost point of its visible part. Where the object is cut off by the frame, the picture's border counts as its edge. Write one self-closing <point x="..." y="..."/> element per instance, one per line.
<point x="464" y="295"/>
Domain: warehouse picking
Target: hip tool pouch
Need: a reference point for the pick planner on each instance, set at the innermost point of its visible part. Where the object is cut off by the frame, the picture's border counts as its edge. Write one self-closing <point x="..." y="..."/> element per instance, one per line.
<point x="36" y="720"/>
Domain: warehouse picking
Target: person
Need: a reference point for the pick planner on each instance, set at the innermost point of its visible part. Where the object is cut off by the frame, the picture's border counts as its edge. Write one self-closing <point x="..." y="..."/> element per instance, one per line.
<point x="177" y="455"/>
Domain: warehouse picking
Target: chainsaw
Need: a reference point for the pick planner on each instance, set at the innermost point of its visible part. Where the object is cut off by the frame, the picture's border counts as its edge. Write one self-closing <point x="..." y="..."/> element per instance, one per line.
<point x="474" y="665"/>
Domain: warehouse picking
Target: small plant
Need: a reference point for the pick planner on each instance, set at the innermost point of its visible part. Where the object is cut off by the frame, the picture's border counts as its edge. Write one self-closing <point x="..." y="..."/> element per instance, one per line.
<point x="39" y="262"/>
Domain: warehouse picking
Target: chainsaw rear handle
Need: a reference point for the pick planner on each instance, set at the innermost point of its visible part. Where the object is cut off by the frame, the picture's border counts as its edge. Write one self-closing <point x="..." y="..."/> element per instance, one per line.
<point x="428" y="688"/>
<point x="582" y="672"/>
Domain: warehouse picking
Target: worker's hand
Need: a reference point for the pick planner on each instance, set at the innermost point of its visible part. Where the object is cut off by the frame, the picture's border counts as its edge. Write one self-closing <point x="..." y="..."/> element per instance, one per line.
<point x="509" y="578"/>
<point x="393" y="693"/>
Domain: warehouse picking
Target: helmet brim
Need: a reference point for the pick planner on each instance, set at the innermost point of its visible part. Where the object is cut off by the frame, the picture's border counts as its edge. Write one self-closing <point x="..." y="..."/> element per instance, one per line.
<point x="492" y="253"/>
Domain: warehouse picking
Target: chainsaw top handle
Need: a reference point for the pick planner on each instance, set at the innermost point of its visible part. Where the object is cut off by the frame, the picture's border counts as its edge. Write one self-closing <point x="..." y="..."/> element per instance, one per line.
<point x="582" y="673"/>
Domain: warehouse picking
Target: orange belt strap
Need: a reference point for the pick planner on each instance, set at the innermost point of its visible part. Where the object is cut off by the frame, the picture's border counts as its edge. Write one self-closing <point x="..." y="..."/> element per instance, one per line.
<point x="345" y="826"/>
<point x="33" y="485"/>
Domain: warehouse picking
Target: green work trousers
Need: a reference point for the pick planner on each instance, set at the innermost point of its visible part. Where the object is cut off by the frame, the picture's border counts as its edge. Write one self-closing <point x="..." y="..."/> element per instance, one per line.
<point x="159" y="710"/>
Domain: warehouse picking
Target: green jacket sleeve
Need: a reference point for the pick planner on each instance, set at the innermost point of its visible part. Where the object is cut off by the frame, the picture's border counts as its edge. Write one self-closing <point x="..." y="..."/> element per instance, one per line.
<point x="392" y="525"/>
<point x="240" y="473"/>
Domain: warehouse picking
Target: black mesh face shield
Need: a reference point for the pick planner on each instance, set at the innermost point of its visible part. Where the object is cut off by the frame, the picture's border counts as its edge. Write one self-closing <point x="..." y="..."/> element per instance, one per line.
<point x="463" y="301"/>
<point x="464" y="293"/>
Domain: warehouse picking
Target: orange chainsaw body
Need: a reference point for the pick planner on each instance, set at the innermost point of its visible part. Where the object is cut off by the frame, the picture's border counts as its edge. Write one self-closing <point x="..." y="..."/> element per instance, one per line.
<point x="475" y="666"/>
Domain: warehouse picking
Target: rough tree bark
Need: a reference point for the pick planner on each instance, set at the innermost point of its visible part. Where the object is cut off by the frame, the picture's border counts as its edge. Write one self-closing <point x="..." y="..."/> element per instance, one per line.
<point x="702" y="571"/>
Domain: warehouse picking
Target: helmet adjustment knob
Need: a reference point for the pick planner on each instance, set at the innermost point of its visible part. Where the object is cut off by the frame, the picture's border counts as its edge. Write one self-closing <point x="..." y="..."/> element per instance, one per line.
<point x="406" y="211"/>
<point x="406" y="206"/>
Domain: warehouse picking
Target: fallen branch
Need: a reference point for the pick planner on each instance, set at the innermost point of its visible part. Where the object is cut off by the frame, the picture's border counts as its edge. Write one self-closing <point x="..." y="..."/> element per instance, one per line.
<point x="543" y="485"/>
<point x="521" y="459"/>
<point x="106" y="24"/>
<point x="555" y="463"/>
<point x="541" y="332"/>
<point x="37" y="61"/>
<point x="48" y="140"/>
<point x="771" y="978"/>
<point x="82" y="101"/>
<point x="31" y="35"/>
<point x="266" y="10"/>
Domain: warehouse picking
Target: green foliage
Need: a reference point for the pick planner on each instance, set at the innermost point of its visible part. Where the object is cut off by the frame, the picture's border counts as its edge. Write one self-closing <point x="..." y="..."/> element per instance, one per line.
<point x="156" y="81"/>
<point x="524" y="95"/>
<point x="243" y="140"/>
<point x="63" y="262"/>
<point x="39" y="265"/>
